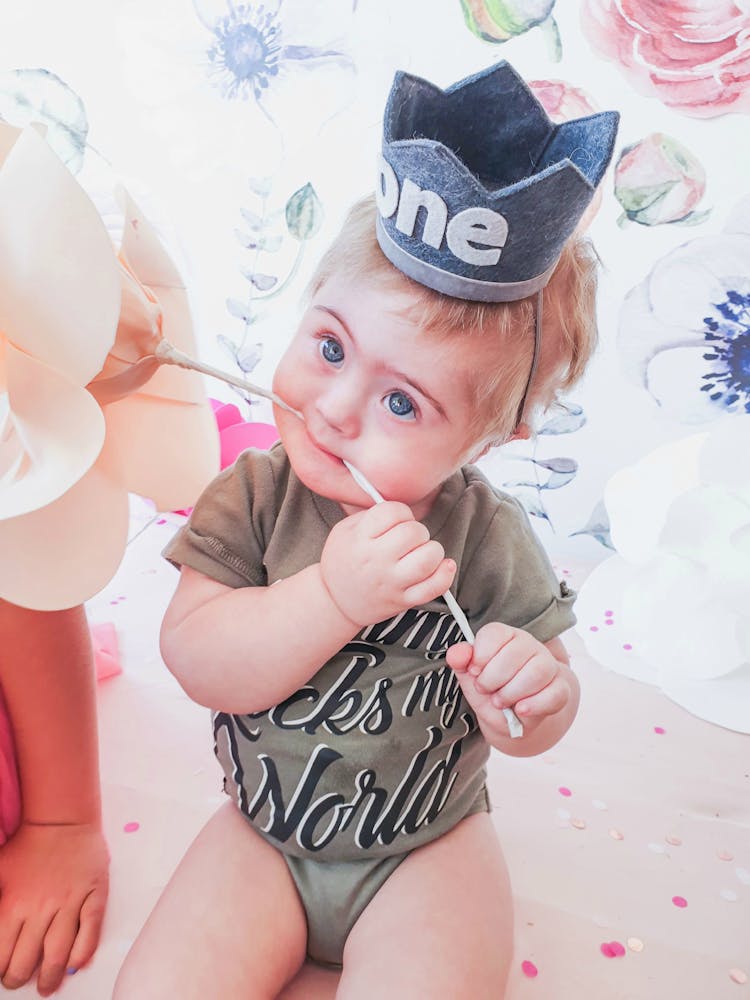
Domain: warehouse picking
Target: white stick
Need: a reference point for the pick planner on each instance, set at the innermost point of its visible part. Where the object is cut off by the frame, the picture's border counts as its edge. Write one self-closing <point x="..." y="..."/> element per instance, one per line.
<point x="515" y="727"/>
<point x="170" y="355"/>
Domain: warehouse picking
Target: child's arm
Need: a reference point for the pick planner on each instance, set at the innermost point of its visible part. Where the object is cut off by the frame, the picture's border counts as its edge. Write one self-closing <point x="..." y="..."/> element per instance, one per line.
<point x="243" y="650"/>
<point x="53" y="871"/>
<point x="508" y="668"/>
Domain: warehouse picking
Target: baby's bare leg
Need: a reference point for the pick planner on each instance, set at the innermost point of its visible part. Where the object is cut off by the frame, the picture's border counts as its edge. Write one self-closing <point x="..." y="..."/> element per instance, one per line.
<point x="228" y="924"/>
<point x="441" y="926"/>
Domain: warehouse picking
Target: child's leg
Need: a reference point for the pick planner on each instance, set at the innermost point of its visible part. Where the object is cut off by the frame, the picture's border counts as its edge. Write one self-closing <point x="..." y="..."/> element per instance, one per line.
<point x="228" y="924"/>
<point x="440" y="927"/>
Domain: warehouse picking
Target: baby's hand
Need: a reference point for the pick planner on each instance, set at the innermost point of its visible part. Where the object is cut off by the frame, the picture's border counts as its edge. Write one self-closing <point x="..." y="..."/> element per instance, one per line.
<point x="508" y="668"/>
<point x="380" y="561"/>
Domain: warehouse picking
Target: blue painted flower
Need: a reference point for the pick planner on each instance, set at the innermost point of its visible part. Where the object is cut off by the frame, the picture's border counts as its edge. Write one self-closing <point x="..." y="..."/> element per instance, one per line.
<point x="205" y="69"/>
<point x="255" y="46"/>
<point x="685" y="330"/>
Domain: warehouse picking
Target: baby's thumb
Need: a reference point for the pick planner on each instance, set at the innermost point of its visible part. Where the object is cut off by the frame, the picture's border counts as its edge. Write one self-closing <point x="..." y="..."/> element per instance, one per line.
<point x="459" y="656"/>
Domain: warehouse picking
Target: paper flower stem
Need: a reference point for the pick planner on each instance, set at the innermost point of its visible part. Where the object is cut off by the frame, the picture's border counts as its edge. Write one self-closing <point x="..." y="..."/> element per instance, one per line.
<point x="515" y="727"/>
<point x="166" y="354"/>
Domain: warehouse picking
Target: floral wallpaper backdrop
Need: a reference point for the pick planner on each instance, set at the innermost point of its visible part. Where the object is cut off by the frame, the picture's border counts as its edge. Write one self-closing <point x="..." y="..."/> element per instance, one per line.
<point x="245" y="130"/>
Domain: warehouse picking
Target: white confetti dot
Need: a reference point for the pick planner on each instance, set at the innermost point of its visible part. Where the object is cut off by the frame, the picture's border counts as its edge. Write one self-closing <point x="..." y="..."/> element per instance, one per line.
<point x="729" y="894"/>
<point x="743" y="875"/>
<point x="598" y="804"/>
<point x="564" y="814"/>
<point x="657" y="848"/>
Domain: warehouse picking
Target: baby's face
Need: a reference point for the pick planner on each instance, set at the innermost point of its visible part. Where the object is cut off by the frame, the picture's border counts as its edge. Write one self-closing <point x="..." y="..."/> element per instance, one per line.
<point x="372" y="390"/>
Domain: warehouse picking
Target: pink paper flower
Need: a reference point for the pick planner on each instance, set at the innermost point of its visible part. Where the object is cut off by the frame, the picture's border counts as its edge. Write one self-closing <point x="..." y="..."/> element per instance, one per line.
<point x="658" y="180"/>
<point x="693" y="57"/>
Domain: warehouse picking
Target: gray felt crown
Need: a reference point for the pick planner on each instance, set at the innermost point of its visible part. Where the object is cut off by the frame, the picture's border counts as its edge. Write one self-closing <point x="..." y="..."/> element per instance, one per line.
<point x="477" y="189"/>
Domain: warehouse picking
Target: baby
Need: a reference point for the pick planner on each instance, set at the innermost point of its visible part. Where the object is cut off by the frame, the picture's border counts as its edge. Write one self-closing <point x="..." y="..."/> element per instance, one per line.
<point x="352" y="723"/>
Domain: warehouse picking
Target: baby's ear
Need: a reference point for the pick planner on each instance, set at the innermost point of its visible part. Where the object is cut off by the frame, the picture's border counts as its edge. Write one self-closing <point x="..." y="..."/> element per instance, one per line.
<point x="521" y="433"/>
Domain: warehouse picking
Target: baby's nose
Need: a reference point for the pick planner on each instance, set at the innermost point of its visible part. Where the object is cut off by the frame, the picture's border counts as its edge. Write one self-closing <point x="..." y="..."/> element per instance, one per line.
<point x="341" y="407"/>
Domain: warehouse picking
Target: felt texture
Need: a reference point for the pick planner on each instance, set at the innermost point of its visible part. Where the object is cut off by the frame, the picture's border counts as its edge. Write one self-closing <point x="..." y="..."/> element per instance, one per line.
<point x="486" y="142"/>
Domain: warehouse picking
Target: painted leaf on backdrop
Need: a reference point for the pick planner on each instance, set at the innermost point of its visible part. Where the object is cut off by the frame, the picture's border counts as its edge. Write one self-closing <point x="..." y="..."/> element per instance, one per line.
<point x="242" y="310"/>
<point x="246" y="356"/>
<point x="263" y="282"/>
<point x="252" y="220"/>
<point x="561" y="472"/>
<point x="597" y="526"/>
<point x="530" y="499"/>
<point x="566" y="418"/>
<point x="261" y="186"/>
<point x="37" y="95"/>
<point x="304" y="213"/>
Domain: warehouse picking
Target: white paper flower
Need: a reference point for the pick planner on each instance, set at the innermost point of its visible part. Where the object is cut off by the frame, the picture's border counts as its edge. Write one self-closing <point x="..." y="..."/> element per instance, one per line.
<point x="85" y="416"/>
<point x="678" y="591"/>
<point x="685" y="330"/>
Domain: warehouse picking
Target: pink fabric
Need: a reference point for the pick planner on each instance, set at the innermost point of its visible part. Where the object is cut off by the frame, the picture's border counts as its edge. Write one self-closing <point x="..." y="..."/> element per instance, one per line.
<point x="10" y="794"/>
<point x="106" y="653"/>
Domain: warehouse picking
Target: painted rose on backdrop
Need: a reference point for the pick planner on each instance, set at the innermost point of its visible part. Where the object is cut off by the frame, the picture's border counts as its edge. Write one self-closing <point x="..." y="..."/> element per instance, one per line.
<point x="692" y="56"/>
<point x="658" y="180"/>
<point x="562" y="101"/>
<point x="684" y="332"/>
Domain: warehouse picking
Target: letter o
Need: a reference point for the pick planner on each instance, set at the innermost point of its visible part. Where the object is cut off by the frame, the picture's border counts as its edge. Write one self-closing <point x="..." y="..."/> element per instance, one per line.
<point x="386" y="189"/>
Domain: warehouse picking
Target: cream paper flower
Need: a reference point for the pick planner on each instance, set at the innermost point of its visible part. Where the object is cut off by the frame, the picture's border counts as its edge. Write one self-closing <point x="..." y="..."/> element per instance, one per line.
<point x="86" y="412"/>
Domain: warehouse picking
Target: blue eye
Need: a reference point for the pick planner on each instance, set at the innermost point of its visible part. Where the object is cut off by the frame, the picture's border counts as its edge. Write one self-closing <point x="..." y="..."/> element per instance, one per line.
<point x="400" y="405"/>
<point x="332" y="350"/>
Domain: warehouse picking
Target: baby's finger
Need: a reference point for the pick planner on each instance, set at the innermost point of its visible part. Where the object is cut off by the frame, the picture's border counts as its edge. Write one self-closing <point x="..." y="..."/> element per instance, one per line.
<point x="548" y="701"/>
<point x="490" y="639"/>
<point x="57" y="944"/>
<point x="433" y="586"/>
<point x="90" y="925"/>
<point x="403" y="538"/>
<point x="383" y="516"/>
<point x="533" y="676"/>
<point x="420" y="563"/>
<point x="501" y="668"/>
<point x="458" y="656"/>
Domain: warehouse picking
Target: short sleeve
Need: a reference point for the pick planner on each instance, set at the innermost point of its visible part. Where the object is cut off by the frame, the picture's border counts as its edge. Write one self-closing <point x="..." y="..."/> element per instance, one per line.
<point x="226" y="535"/>
<point x="509" y="578"/>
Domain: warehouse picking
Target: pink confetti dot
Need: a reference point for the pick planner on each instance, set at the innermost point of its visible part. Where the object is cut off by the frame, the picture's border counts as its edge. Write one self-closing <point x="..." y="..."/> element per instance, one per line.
<point x="564" y="791"/>
<point x="608" y="614"/>
<point x="609" y="621"/>
<point x="659" y="730"/>
<point x="162" y="520"/>
<point x="626" y="645"/>
<point x="529" y="969"/>
<point x="680" y="901"/>
<point x="131" y="827"/>
<point x="612" y="949"/>
<point x="594" y="628"/>
<point x="566" y="572"/>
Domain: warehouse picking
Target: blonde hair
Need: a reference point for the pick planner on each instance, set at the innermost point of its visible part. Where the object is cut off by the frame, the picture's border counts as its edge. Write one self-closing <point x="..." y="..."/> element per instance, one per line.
<point x="501" y="330"/>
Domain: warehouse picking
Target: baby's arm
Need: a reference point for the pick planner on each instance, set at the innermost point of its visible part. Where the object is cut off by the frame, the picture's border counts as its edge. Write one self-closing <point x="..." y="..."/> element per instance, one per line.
<point x="507" y="667"/>
<point x="53" y="871"/>
<point x="243" y="650"/>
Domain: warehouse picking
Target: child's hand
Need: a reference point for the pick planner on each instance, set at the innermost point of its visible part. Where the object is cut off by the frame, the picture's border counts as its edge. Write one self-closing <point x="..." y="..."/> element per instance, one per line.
<point x="53" y="889"/>
<point x="380" y="561"/>
<point x="508" y="668"/>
